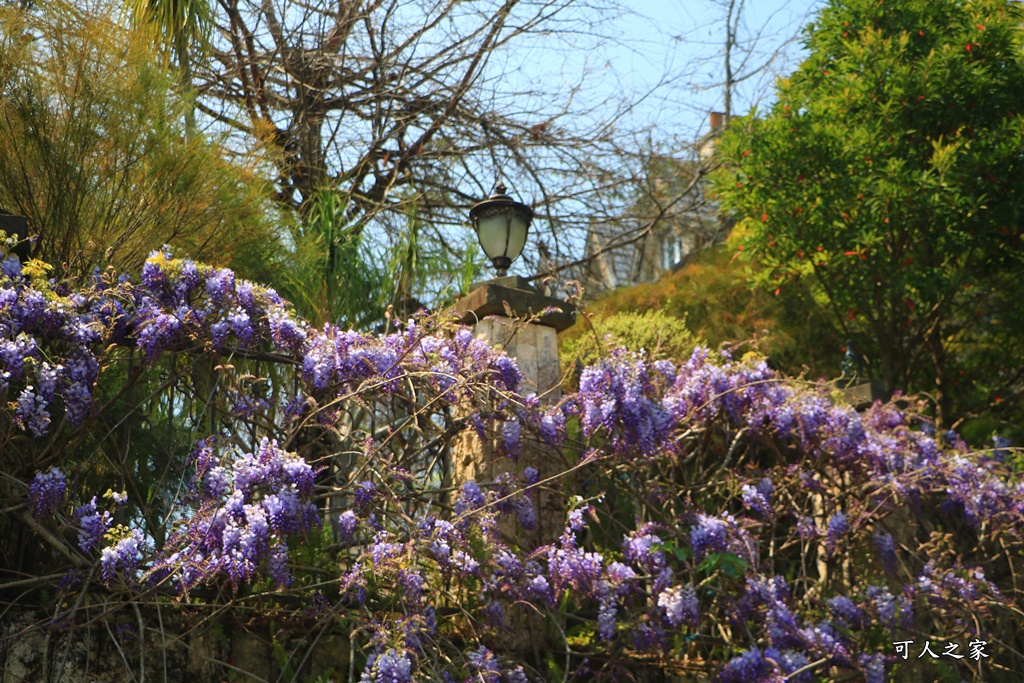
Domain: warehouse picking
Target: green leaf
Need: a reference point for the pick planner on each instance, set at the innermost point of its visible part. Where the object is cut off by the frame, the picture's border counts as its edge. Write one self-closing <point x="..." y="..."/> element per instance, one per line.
<point x="557" y="674"/>
<point x="731" y="565"/>
<point x="682" y="554"/>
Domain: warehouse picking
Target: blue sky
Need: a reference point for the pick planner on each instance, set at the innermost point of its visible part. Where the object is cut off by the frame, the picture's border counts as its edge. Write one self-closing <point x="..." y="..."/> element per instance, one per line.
<point x="653" y="68"/>
<point x="673" y="49"/>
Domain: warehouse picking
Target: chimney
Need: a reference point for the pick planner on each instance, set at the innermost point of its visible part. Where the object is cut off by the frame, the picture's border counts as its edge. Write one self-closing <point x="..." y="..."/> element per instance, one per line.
<point x="706" y="144"/>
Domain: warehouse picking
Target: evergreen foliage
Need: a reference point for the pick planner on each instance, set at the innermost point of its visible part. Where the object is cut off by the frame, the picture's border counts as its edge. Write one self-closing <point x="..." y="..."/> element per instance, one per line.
<point x="887" y="176"/>
<point x="711" y="298"/>
<point x="655" y="334"/>
<point x="94" y="151"/>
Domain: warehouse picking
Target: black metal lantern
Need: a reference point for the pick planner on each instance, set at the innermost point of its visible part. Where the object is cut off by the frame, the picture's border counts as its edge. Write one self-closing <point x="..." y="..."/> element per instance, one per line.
<point x="501" y="224"/>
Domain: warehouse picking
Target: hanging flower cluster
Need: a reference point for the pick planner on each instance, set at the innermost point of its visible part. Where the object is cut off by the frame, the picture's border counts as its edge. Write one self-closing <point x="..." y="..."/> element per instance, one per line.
<point x="47" y="354"/>
<point x="250" y="508"/>
<point x="181" y="306"/>
<point x="711" y="497"/>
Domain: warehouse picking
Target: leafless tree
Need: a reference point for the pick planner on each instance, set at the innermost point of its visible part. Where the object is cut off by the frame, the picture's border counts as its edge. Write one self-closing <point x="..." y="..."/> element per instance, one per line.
<point x="740" y="48"/>
<point x="409" y="107"/>
<point x="669" y="215"/>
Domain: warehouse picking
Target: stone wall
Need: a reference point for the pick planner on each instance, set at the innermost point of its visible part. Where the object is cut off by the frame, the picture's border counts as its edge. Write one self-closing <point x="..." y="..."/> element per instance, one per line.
<point x="109" y="649"/>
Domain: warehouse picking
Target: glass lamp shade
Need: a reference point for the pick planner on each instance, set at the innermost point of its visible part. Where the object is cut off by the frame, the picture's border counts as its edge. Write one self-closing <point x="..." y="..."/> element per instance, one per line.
<point x="501" y="226"/>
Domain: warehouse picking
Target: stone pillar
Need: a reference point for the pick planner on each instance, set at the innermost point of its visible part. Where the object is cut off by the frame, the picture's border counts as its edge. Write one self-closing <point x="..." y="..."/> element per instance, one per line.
<point x="535" y="348"/>
<point x="862" y="393"/>
<point x="534" y="345"/>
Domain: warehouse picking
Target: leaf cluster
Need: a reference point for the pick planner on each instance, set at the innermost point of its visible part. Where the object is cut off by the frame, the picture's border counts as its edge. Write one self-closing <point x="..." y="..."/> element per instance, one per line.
<point x="888" y="176"/>
<point x="94" y="151"/>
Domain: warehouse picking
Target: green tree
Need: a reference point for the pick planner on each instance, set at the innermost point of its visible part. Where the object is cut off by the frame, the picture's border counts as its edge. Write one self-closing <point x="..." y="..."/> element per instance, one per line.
<point x="177" y="25"/>
<point x="889" y="174"/>
<point x="710" y="300"/>
<point x="335" y="275"/>
<point x="93" y="151"/>
<point x="656" y="334"/>
<point x="178" y="28"/>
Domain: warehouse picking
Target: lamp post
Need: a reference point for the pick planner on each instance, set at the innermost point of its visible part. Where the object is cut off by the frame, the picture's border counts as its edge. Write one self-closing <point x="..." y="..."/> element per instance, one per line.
<point x="507" y="311"/>
<point x="501" y="225"/>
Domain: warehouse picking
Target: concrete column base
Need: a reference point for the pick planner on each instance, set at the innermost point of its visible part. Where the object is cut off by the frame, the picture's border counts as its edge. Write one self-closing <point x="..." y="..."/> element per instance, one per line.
<point x="534" y="345"/>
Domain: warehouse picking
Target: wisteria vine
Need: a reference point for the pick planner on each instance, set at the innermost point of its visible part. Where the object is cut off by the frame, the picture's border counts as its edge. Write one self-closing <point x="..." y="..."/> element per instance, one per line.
<point x="718" y="518"/>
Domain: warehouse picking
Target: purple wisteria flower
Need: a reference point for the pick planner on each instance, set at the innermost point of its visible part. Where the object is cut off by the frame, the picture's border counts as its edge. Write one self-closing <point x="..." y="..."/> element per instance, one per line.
<point x="606" y="617"/>
<point x="320" y="362"/>
<point x="508" y="372"/>
<point x="806" y="528"/>
<point x="829" y="641"/>
<point x="648" y="638"/>
<point x="383" y="549"/>
<point x="10" y="267"/>
<point x="616" y="396"/>
<point x="484" y="665"/>
<point x="982" y="497"/>
<point x="749" y="667"/>
<point x="217" y="483"/>
<point x="621" y="579"/>
<point x="241" y="530"/>
<point x="843" y="608"/>
<point x="838" y="526"/>
<point x="641" y="549"/>
<point x="245" y="512"/>
<point x="31" y="412"/>
<point x="874" y="667"/>
<point x="516" y="675"/>
<point x="412" y="586"/>
<point x="123" y="555"/>
<point x="241" y="325"/>
<point x="364" y="494"/>
<point x="758" y="498"/>
<point x="570" y="566"/>
<point x="885" y="604"/>
<point x="540" y="588"/>
<point x="347" y="524"/>
<point x="46" y="492"/>
<point x="388" y="667"/>
<point x="551" y="425"/>
<point x="892" y="610"/>
<point x="709" y="535"/>
<point x="277" y="565"/>
<point x="510" y="438"/>
<point x="471" y="498"/>
<point x="680" y="605"/>
<point x="287" y="332"/>
<point x="93" y="524"/>
<point x="575" y="520"/>
<point x="526" y="512"/>
<point x="220" y="285"/>
<point x="887" y="548"/>
<point x="790" y="661"/>
<point x="159" y="332"/>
